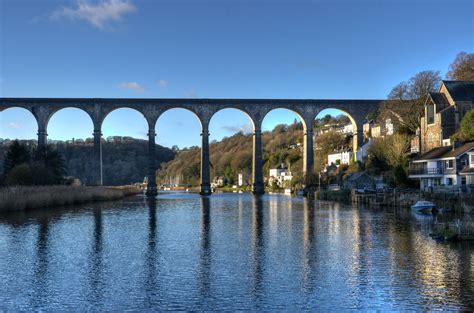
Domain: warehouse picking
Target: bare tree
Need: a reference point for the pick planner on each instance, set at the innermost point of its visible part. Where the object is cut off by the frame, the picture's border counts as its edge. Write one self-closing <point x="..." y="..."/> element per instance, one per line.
<point x="406" y="100"/>
<point x="462" y="67"/>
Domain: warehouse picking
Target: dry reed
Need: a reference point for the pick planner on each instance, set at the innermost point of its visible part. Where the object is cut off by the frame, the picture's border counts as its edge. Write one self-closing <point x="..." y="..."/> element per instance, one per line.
<point x="33" y="197"/>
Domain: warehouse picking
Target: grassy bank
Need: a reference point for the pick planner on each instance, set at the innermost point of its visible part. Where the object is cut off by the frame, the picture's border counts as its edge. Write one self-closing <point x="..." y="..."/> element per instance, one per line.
<point x="34" y="197"/>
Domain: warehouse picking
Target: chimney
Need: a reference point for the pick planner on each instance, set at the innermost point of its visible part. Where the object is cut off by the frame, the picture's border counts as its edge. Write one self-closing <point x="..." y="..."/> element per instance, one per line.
<point x="456" y="144"/>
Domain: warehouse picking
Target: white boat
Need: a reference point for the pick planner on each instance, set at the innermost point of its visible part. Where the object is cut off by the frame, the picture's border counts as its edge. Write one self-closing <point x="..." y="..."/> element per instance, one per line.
<point x="423" y="206"/>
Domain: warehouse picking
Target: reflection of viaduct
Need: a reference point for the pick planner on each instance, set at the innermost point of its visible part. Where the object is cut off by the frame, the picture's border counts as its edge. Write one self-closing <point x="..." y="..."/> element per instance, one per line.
<point x="204" y="109"/>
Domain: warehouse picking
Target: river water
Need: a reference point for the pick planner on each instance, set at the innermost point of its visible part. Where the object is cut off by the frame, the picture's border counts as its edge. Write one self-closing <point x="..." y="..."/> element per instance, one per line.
<point x="226" y="252"/>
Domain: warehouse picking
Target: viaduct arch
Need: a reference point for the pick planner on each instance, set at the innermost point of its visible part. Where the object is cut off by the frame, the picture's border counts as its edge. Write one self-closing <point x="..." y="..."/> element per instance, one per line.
<point x="256" y="109"/>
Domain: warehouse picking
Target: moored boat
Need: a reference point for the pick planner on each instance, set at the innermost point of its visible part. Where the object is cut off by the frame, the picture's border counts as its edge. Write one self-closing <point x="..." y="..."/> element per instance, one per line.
<point x="424" y="206"/>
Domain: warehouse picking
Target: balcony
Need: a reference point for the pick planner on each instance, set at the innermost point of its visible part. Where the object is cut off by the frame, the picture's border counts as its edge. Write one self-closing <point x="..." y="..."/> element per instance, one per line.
<point x="426" y="171"/>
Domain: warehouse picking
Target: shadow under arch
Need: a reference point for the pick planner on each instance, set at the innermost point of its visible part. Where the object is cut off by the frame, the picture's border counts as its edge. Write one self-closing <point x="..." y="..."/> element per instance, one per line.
<point x="20" y="111"/>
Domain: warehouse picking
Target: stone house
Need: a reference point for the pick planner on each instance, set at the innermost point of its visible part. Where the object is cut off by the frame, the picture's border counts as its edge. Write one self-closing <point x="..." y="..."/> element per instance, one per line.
<point x="444" y="111"/>
<point x="359" y="180"/>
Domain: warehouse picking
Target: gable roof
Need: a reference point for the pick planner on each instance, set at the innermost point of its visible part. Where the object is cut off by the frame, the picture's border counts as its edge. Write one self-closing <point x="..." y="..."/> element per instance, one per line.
<point x="460" y="90"/>
<point x="445" y="152"/>
<point x="440" y="100"/>
<point x="435" y="153"/>
<point x="460" y="150"/>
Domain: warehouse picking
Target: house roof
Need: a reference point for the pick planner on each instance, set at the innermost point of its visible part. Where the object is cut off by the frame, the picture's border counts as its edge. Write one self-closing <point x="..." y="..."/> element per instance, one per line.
<point x="355" y="176"/>
<point x="435" y="153"/>
<point x="440" y="100"/>
<point x="467" y="170"/>
<point x="460" y="90"/>
<point x="445" y="152"/>
<point x="460" y="150"/>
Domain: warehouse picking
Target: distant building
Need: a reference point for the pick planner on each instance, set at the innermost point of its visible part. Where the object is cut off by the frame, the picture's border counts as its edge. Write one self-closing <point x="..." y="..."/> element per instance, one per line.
<point x="359" y="180"/>
<point x="281" y="175"/>
<point x="444" y="111"/>
<point x="366" y="128"/>
<point x="376" y="131"/>
<point x="451" y="166"/>
<point x="342" y="157"/>
<point x="363" y="152"/>
<point x="242" y="180"/>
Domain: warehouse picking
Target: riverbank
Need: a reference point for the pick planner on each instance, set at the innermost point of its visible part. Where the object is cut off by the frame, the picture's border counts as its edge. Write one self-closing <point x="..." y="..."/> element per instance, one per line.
<point x="34" y="197"/>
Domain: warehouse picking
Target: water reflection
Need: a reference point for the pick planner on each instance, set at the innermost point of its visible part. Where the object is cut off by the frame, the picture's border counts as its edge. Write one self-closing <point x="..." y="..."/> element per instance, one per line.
<point x="96" y="267"/>
<point x="41" y="264"/>
<point x="310" y="256"/>
<point x="204" y="275"/>
<point x="229" y="252"/>
<point x="257" y="250"/>
<point x="151" y="285"/>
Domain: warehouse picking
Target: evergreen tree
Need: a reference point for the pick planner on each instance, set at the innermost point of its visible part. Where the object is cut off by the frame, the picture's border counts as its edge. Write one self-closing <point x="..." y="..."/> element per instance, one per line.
<point x="16" y="154"/>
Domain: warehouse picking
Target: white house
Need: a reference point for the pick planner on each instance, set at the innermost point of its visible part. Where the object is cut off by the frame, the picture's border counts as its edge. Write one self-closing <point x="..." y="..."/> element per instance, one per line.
<point x="448" y="166"/>
<point x="344" y="157"/>
<point x="280" y="175"/>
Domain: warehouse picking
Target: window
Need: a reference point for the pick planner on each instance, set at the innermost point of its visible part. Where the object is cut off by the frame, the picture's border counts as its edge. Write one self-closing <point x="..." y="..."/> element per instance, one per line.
<point x="449" y="181"/>
<point x="472" y="158"/>
<point x="430" y="113"/>
<point x="449" y="163"/>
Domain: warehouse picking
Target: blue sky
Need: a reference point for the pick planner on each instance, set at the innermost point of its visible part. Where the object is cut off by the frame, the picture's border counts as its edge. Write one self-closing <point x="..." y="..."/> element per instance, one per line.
<point x="216" y="49"/>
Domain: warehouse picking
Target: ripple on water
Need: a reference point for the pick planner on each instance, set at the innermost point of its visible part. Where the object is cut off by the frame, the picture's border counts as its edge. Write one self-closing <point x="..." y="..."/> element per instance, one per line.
<point x="227" y="252"/>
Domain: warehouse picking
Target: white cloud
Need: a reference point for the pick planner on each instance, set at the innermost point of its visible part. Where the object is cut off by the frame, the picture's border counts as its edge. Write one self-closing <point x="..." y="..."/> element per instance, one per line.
<point x="132" y="86"/>
<point x="246" y="128"/>
<point x="14" y="125"/>
<point x="190" y="93"/>
<point x="162" y="83"/>
<point x="98" y="14"/>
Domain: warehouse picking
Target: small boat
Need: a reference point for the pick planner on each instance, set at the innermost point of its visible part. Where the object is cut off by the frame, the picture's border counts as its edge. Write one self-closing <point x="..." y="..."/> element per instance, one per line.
<point x="424" y="206"/>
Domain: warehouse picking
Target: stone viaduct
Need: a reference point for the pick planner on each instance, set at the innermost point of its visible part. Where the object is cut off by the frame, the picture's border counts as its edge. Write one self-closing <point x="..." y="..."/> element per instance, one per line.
<point x="204" y="109"/>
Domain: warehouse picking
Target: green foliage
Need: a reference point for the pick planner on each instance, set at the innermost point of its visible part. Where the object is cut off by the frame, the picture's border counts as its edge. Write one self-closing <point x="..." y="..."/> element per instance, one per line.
<point x="22" y="169"/>
<point x="466" y="129"/>
<point x="233" y="155"/>
<point x="16" y="154"/>
<point x="20" y="175"/>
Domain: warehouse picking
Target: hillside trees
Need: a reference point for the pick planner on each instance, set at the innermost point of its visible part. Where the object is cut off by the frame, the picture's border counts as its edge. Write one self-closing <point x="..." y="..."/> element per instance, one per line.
<point x="466" y="129"/>
<point x="21" y="167"/>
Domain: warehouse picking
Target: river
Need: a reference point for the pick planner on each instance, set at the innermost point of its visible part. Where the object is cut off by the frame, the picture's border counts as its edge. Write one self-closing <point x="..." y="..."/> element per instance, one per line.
<point x="227" y="252"/>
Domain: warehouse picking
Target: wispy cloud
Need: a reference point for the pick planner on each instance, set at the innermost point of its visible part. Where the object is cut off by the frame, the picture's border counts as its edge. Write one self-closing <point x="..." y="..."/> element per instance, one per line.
<point x="14" y="125"/>
<point x="99" y="14"/>
<point x="132" y="86"/>
<point x="190" y="93"/>
<point x="162" y="83"/>
<point x="246" y="128"/>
